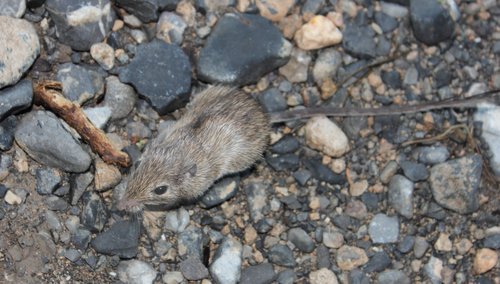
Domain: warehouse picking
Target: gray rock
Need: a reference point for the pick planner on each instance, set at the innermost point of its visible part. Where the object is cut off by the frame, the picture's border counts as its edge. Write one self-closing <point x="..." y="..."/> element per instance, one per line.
<point x="145" y="10"/>
<point x="384" y="229"/>
<point x="99" y="116"/>
<point x="492" y="241"/>
<point x="301" y="240"/>
<point x="220" y="192"/>
<point x="272" y="100"/>
<point x="78" y="185"/>
<point x="420" y="247"/>
<point x="431" y="21"/>
<point x="173" y="277"/>
<point x="226" y="266"/>
<point x="35" y="134"/>
<point x="242" y="48"/>
<point x="327" y="64"/>
<point x="47" y="180"/>
<point x="359" y="41"/>
<point x="357" y="276"/>
<point x="170" y="28"/>
<point x="80" y="25"/>
<point x="302" y="176"/>
<point x="433" y="270"/>
<point x="191" y="241"/>
<point x="286" y="276"/>
<point x="414" y="171"/>
<point x="287" y="144"/>
<point x="16" y="98"/>
<point x="13" y="8"/>
<point x="205" y="6"/>
<point x="168" y="67"/>
<point x="393" y="276"/>
<point x="53" y="221"/>
<point x="257" y="199"/>
<point x="136" y="272"/>
<point x="455" y="183"/>
<point x="80" y="84"/>
<point x="72" y="254"/>
<point x="388" y="172"/>
<point x="411" y="76"/>
<point x="401" y="195"/>
<point x="297" y="68"/>
<point x="7" y="128"/>
<point x="281" y="255"/>
<point x="406" y="244"/>
<point x="487" y="115"/>
<point x="193" y="269"/>
<point x="94" y="213"/>
<point x="258" y="274"/>
<point x="312" y="7"/>
<point x="432" y="155"/>
<point x="19" y="47"/>
<point x="80" y="238"/>
<point x="378" y="262"/>
<point x="386" y="22"/>
<point x="322" y="172"/>
<point x="119" y="97"/>
<point x="177" y="220"/>
<point x="121" y="239"/>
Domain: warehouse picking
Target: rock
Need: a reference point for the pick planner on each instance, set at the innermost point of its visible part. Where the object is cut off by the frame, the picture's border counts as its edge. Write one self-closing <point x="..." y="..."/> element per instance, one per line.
<point x="55" y="203"/>
<point x="272" y="100"/>
<point x="220" y="192"/>
<point x="99" y="116"/>
<point x="433" y="269"/>
<point x="378" y="262"/>
<point x="221" y="59"/>
<point x="19" y="47"/>
<point x="349" y="257"/>
<point x="190" y="242"/>
<point x="79" y="83"/>
<point x="284" y="162"/>
<point x="297" y="67"/>
<point x="78" y="185"/>
<point x="333" y="239"/>
<point x="176" y="220"/>
<point x="119" y="97"/>
<point x="72" y="254"/>
<point x="80" y="25"/>
<point x="170" y="28"/>
<point x="193" y="269"/>
<point x="406" y="244"/>
<point x="401" y="195"/>
<point x="323" y="276"/>
<point x="257" y="199"/>
<point x="94" y="213"/>
<point x="395" y="10"/>
<point x="274" y="10"/>
<point x="136" y="272"/>
<point x="173" y="277"/>
<point x="431" y="21"/>
<point x="3" y="190"/>
<point x="281" y="255"/>
<point x="421" y="246"/>
<point x="145" y="10"/>
<point x="432" y="155"/>
<point x="393" y="276"/>
<point x="359" y="41"/>
<point x="443" y="243"/>
<point x="485" y="260"/>
<point x="492" y="241"/>
<point x="455" y="183"/>
<point x="12" y="198"/>
<point x="326" y="65"/>
<point x="7" y="129"/>
<point x="384" y="229"/>
<point x="226" y="266"/>
<point x="392" y="79"/>
<point x="261" y="273"/>
<point x="319" y="32"/>
<point x="16" y="98"/>
<point x="103" y="54"/>
<point x="13" y="8"/>
<point x="357" y="276"/>
<point x="80" y="238"/>
<point x="324" y="135"/>
<point x="302" y="176"/>
<point x="213" y="5"/>
<point x="286" y="276"/>
<point x="166" y="65"/>
<point x="488" y="115"/>
<point x="301" y="240"/>
<point x="386" y="22"/>
<point x="106" y="176"/>
<point x="47" y="180"/>
<point x="287" y="144"/>
<point x="388" y="172"/>
<point x="121" y="239"/>
<point x="35" y="135"/>
<point x="322" y="172"/>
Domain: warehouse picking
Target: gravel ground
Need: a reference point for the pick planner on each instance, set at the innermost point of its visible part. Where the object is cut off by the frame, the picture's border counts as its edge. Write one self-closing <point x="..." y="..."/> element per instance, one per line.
<point x="386" y="199"/>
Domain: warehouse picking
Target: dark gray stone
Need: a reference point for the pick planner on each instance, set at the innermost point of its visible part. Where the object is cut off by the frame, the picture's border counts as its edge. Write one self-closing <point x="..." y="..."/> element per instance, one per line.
<point x="283" y="162"/>
<point x="414" y="171"/>
<point x="378" y="262"/>
<point x="193" y="269"/>
<point x="401" y="195"/>
<point x="492" y="242"/>
<point x="242" y="48"/>
<point x="272" y="100"/>
<point x="455" y="184"/>
<point x="406" y="244"/>
<point x="281" y="255"/>
<point x="13" y="8"/>
<point x="80" y="25"/>
<point x="56" y="204"/>
<point x="431" y="21"/>
<point x="393" y="276"/>
<point x="7" y="127"/>
<point x="322" y="172"/>
<point x="47" y="180"/>
<point x="257" y="198"/>
<point x="145" y="10"/>
<point x="302" y="176"/>
<point x="392" y="79"/>
<point x="359" y="41"/>
<point x="121" y="239"/>
<point x="119" y="97"/>
<point x="258" y="274"/>
<point x="72" y="254"/>
<point x="193" y="240"/>
<point x="80" y="84"/>
<point x="3" y="190"/>
<point x="287" y="144"/>
<point x="301" y="240"/>
<point x="78" y="185"/>
<point x="220" y="192"/>
<point x="94" y="214"/>
<point x="386" y="22"/>
<point x="161" y="73"/>
<point x="312" y="6"/>
<point x="432" y="155"/>
<point x="384" y="229"/>
<point x="15" y="99"/>
<point x="81" y="239"/>
<point x="357" y="276"/>
<point x="286" y="276"/>
<point x="36" y="133"/>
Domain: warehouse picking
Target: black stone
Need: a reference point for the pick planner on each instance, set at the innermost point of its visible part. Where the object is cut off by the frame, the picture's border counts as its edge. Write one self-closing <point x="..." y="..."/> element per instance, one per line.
<point x="281" y="255"/>
<point x="240" y="49"/>
<point x="287" y="144"/>
<point x="81" y="239"/>
<point x="220" y="192"/>
<point x="284" y="162"/>
<point x="272" y="100"/>
<point x="161" y="73"/>
<point x="258" y="274"/>
<point x="3" y="190"/>
<point x="431" y="21"/>
<point x="442" y="77"/>
<point x="302" y="176"/>
<point x="122" y="239"/>
<point x="323" y="173"/>
<point x="385" y="22"/>
<point x="15" y="98"/>
<point x="392" y="79"/>
<point x="378" y="262"/>
<point x="359" y="41"/>
<point x="145" y="10"/>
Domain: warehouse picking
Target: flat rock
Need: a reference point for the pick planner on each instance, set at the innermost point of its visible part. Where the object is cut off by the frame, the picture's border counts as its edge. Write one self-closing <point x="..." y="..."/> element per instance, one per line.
<point x="170" y="28"/>
<point x="297" y="68"/>
<point x="119" y="97"/>
<point x="261" y="273"/>
<point x="392" y="276"/>
<point x="16" y="98"/>
<point x="349" y="257"/>
<point x="80" y="25"/>
<point x="99" y="115"/>
<point x="359" y="41"/>
<point x="455" y="183"/>
<point x="80" y="84"/>
<point x="242" y="48"/>
<point x="301" y="240"/>
<point x="35" y="134"/>
<point x="136" y="271"/>
<point x="121" y="239"/>
<point x="485" y="260"/>
<point x="226" y="266"/>
<point x="432" y="21"/>
<point x="384" y="229"/>
<point x="220" y="192"/>
<point x="193" y="269"/>
<point x="281" y="255"/>
<point x="19" y="47"/>
<point x="161" y="73"/>
<point x="47" y="180"/>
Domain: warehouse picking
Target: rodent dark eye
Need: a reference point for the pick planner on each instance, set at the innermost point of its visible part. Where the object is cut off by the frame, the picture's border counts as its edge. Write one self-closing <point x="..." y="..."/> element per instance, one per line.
<point x="161" y="190"/>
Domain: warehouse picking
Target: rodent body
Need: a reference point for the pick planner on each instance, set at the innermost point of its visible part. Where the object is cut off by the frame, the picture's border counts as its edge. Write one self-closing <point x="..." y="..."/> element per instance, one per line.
<point x="223" y="131"/>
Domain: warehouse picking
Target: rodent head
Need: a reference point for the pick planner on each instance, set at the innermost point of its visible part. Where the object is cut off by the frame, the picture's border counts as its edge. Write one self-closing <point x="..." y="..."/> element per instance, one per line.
<point x="165" y="178"/>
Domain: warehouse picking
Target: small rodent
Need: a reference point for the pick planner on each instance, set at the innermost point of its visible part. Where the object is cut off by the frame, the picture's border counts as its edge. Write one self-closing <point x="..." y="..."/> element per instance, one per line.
<point x="223" y="131"/>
